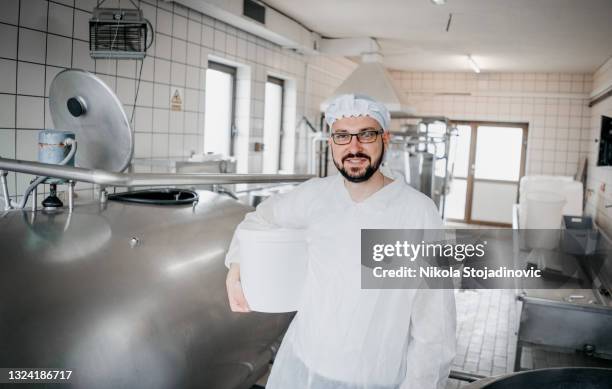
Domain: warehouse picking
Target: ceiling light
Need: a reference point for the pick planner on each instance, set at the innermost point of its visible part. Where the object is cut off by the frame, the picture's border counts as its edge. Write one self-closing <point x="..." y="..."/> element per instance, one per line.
<point x="473" y="64"/>
<point x="439" y="2"/>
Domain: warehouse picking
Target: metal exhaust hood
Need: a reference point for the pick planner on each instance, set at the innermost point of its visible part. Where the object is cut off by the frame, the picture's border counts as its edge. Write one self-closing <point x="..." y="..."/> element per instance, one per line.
<point x="372" y="78"/>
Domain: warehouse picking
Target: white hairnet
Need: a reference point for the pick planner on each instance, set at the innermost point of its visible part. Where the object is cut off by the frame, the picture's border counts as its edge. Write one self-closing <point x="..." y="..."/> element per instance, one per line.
<point x="357" y="105"/>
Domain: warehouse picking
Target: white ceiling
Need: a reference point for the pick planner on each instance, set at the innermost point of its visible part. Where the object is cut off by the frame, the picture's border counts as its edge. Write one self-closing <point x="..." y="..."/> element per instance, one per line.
<point x="501" y="35"/>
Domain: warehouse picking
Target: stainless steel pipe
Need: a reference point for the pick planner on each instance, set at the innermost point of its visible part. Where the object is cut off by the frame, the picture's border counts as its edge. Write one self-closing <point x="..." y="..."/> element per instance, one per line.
<point x="70" y="195"/>
<point x="4" y="188"/>
<point x="106" y="178"/>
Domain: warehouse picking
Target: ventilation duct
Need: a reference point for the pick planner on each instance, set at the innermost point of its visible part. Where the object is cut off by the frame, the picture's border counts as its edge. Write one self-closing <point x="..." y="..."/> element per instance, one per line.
<point x="372" y="78"/>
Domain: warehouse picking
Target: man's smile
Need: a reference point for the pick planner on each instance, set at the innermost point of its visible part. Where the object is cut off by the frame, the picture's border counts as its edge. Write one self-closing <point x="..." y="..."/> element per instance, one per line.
<point x="356" y="159"/>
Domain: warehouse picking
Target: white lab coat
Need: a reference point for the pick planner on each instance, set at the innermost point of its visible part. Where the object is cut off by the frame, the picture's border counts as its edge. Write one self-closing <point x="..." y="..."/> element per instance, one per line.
<point x="345" y="337"/>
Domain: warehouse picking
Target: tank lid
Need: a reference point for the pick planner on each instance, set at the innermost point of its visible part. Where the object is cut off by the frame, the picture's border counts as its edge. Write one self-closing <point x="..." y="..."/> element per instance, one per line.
<point x="82" y="103"/>
<point x="164" y="196"/>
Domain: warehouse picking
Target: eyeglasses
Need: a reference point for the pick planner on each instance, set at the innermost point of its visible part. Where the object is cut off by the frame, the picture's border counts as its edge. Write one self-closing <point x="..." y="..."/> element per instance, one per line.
<point x="344" y="138"/>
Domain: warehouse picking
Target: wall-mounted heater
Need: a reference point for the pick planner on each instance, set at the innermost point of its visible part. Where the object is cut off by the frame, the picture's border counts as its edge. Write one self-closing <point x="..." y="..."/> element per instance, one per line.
<point x="118" y="33"/>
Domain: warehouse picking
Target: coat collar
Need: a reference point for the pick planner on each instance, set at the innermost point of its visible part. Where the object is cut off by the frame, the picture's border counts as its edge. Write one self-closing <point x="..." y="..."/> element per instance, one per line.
<point x="378" y="200"/>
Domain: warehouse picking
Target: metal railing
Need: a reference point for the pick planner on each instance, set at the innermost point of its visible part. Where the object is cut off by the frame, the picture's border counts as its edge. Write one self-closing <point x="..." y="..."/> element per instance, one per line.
<point x="106" y="178"/>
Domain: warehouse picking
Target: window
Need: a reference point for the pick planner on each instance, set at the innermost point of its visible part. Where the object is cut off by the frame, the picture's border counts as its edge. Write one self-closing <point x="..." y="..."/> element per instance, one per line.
<point x="488" y="160"/>
<point x="219" y="125"/>
<point x="273" y="125"/>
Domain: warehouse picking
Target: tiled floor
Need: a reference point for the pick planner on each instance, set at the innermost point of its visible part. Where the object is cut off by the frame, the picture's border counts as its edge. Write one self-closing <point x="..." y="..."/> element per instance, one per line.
<point x="487" y="322"/>
<point x="486" y="332"/>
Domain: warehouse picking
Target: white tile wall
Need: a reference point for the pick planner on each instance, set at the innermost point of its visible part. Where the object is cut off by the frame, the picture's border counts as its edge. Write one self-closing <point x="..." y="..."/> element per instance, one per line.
<point x="33" y="14"/>
<point x="8" y="69"/>
<point x="177" y="74"/>
<point x="80" y="56"/>
<point x="142" y="145"/>
<point x="59" y="51"/>
<point x="163" y="46"/>
<point x="164" y="22"/>
<point x="32" y="46"/>
<point x="127" y="68"/>
<point x="177" y="124"/>
<point x="7" y="111"/>
<point x="147" y="69"/>
<point x="53" y="35"/>
<point x="26" y="148"/>
<point x="60" y="20"/>
<point x="8" y="41"/>
<point x="162" y="71"/>
<point x="145" y="94"/>
<point x="194" y="31"/>
<point x="539" y="99"/>
<point x="7" y="143"/>
<point x="31" y="79"/>
<point x="27" y="145"/>
<point x="10" y="12"/>
<point x="126" y="90"/>
<point x="191" y="123"/>
<point x="30" y="112"/>
<point x="160" y="146"/>
<point x="161" y="94"/>
<point x="81" y="24"/>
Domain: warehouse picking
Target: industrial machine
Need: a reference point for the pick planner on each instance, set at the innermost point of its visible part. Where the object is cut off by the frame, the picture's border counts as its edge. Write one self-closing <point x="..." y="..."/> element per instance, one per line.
<point x="570" y="308"/>
<point x="572" y="312"/>
<point x="422" y="150"/>
<point x="128" y="290"/>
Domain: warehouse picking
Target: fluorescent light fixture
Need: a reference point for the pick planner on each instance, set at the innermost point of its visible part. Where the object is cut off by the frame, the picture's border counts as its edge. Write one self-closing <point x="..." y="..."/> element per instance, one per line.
<point x="439" y="2"/>
<point x="473" y="64"/>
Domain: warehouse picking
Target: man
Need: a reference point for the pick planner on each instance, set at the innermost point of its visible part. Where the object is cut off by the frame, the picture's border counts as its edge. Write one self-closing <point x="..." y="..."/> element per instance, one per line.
<point x="345" y="337"/>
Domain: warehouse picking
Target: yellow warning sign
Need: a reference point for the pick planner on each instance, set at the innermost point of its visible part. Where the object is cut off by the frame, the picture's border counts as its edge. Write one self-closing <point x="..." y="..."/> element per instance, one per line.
<point x="176" y="103"/>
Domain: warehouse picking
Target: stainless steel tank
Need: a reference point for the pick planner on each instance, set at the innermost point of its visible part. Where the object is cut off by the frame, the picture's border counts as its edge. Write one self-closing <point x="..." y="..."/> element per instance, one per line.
<point x="554" y="378"/>
<point x="129" y="296"/>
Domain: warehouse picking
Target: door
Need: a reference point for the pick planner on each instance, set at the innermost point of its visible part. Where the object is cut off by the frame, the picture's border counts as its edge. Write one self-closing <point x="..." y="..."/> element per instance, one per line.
<point x="488" y="160"/>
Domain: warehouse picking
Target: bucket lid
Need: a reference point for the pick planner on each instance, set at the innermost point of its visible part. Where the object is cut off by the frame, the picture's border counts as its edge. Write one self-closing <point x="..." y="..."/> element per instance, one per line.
<point x="545" y="197"/>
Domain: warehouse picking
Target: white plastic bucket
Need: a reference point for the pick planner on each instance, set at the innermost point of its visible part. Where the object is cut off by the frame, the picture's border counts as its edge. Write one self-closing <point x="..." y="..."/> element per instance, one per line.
<point x="544" y="215"/>
<point x="565" y="186"/>
<point x="273" y="267"/>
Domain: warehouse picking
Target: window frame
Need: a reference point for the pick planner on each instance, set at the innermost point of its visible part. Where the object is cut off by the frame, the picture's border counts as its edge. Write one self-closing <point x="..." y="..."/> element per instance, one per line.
<point x="233" y="72"/>
<point x="281" y="133"/>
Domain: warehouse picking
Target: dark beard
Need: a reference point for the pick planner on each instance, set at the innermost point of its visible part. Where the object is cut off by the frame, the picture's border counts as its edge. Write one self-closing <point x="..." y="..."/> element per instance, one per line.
<point x="367" y="174"/>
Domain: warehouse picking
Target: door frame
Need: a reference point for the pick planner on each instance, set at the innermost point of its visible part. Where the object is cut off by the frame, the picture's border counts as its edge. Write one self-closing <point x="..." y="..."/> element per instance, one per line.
<point x="474" y="124"/>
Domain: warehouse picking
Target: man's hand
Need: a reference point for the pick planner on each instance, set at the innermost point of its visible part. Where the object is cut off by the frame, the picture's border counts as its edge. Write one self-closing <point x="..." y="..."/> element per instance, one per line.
<point x="235" y="295"/>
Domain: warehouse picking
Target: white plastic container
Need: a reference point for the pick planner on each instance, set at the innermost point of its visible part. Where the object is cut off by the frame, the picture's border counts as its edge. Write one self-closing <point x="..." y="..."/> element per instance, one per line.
<point x="273" y="267"/>
<point x="544" y="212"/>
<point x="565" y="186"/>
